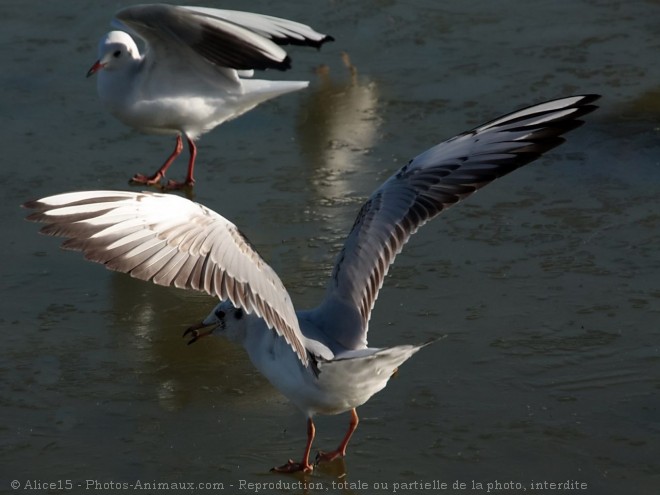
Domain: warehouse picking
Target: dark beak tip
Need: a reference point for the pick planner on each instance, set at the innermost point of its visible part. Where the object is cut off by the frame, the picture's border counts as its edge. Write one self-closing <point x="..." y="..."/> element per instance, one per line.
<point x="94" y="68"/>
<point x="193" y="329"/>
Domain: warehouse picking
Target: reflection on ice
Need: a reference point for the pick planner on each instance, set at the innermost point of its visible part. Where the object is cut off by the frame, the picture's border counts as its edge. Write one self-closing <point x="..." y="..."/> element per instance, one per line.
<point x="339" y="123"/>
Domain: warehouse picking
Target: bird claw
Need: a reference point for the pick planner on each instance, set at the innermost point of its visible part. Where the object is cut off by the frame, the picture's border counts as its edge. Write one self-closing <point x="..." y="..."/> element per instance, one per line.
<point x="293" y="467"/>
<point x="176" y="185"/>
<point x="322" y="456"/>
<point x="143" y="180"/>
<point x="155" y="180"/>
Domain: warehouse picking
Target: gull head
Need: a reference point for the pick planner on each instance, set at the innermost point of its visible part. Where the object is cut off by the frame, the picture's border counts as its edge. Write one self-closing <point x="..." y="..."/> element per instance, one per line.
<point x="229" y="320"/>
<point x="116" y="51"/>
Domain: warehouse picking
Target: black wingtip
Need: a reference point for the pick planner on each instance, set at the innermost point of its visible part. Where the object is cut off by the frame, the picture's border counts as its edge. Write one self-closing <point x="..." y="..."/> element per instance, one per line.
<point x="586" y="103"/>
<point x="32" y="204"/>
<point x="590" y="98"/>
<point x="326" y="39"/>
<point x="583" y="107"/>
<point x="285" y="64"/>
<point x="283" y="41"/>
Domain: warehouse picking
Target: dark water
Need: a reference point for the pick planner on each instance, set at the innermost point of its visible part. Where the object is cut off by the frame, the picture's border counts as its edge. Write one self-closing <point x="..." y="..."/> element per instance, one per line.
<point x="546" y="283"/>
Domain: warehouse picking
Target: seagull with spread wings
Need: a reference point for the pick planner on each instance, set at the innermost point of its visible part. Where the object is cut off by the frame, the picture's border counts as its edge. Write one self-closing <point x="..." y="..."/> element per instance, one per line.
<point x="195" y="73"/>
<point x="318" y="358"/>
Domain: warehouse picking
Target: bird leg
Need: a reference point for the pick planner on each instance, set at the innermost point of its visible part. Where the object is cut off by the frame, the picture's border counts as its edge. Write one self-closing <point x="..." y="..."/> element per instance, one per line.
<point x="160" y="173"/>
<point x="341" y="450"/>
<point x="190" y="180"/>
<point x="304" y="465"/>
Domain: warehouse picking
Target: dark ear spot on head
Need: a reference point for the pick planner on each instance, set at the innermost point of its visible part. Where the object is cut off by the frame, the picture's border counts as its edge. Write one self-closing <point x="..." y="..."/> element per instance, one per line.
<point x="238" y="314"/>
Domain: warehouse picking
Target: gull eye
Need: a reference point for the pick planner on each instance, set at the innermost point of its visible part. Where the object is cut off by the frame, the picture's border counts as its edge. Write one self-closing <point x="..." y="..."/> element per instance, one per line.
<point x="117" y="54"/>
<point x="238" y="314"/>
<point x="220" y="314"/>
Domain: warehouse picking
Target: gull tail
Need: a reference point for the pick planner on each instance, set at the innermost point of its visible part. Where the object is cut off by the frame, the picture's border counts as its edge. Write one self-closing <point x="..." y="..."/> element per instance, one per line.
<point x="260" y="90"/>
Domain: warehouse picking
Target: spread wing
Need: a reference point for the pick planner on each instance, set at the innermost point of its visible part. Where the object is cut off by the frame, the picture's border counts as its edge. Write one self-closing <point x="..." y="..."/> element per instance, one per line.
<point x="171" y="241"/>
<point x="227" y="39"/>
<point x="426" y="186"/>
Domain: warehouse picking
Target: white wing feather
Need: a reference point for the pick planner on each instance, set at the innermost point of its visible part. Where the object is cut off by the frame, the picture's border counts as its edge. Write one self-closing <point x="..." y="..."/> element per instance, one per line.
<point x="174" y="242"/>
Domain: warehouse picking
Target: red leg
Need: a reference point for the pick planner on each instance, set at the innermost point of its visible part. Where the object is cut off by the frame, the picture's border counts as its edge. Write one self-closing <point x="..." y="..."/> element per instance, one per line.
<point x="341" y="450"/>
<point x="160" y="173"/>
<point x="304" y="465"/>
<point x="190" y="179"/>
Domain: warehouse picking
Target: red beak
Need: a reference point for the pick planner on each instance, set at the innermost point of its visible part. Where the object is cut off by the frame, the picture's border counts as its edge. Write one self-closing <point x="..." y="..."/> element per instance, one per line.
<point x="95" y="68"/>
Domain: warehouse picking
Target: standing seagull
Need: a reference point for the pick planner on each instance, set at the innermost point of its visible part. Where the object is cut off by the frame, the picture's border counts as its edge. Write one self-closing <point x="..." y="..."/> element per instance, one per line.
<point x="195" y="72"/>
<point x="318" y="358"/>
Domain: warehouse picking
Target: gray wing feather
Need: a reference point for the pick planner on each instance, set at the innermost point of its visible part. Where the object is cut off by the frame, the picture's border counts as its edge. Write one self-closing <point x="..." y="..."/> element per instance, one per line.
<point x="426" y="186"/>
<point x="225" y="39"/>
<point x="280" y="31"/>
